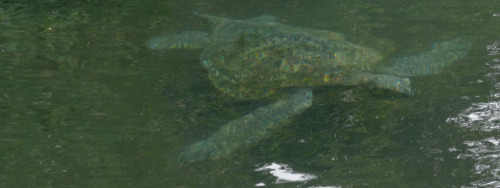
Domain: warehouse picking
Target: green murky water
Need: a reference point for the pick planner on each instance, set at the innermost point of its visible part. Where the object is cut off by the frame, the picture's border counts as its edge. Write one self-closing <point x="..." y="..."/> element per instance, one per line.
<point x="84" y="103"/>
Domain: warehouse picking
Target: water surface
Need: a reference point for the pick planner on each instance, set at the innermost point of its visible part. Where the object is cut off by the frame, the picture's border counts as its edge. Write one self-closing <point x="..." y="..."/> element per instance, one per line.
<point x="85" y="103"/>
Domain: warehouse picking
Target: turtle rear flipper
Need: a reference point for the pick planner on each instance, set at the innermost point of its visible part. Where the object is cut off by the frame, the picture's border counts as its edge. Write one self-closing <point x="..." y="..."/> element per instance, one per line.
<point x="441" y="55"/>
<point x="249" y="128"/>
<point x="186" y="40"/>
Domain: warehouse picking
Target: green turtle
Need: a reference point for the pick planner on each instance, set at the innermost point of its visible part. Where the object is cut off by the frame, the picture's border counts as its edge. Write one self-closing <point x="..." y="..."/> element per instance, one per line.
<point x="255" y="58"/>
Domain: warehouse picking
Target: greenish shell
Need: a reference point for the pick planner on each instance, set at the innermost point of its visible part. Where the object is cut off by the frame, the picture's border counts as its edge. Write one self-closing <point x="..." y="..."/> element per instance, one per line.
<point x="256" y="57"/>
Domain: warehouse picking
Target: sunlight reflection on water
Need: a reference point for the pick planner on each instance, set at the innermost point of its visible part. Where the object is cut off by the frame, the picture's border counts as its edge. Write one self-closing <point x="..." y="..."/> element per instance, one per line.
<point x="484" y="116"/>
<point x="493" y="49"/>
<point x="487" y="154"/>
<point x="284" y="174"/>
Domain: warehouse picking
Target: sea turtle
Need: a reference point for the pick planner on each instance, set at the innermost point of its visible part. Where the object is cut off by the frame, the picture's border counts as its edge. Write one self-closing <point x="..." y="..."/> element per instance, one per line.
<point x="254" y="58"/>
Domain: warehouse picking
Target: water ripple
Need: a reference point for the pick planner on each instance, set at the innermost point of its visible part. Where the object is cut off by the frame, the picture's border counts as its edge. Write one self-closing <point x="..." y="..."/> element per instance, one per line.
<point x="482" y="116"/>
<point x="487" y="154"/>
<point x="493" y="49"/>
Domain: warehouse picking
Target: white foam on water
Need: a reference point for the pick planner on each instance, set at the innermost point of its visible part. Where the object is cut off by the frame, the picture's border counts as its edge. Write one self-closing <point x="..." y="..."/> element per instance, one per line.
<point x="285" y="174"/>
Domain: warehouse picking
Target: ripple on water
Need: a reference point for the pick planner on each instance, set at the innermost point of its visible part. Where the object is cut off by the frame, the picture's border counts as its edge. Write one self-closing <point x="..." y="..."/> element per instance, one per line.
<point x="487" y="154"/>
<point x="484" y="117"/>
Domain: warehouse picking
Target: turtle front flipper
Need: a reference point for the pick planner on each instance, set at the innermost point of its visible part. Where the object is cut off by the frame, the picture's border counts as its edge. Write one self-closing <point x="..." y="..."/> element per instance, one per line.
<point x="382" y="81"/>
<point x="186" y="39"/>
<point x="250" y="128"/>
<point x="441" y="55"/>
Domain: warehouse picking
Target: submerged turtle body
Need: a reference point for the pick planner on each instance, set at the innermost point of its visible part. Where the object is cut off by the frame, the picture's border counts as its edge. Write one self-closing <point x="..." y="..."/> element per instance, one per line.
<point x="254" y="58"/>
<point x="260" y="59"/>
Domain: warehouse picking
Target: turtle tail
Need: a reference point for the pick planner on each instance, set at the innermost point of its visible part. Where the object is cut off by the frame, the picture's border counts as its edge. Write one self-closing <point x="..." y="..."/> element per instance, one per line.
<point x="441" y="55"/>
